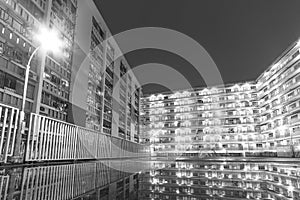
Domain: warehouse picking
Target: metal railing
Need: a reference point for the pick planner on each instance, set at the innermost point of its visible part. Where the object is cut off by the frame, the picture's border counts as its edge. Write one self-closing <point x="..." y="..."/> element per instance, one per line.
<point x="8" y="128"/>
<point x="49" y="139"/>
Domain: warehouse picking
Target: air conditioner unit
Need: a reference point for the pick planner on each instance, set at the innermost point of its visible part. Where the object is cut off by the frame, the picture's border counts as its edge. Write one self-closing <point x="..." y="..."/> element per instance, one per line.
<point x="43" y="110"/>
<point x="32" y="76"/>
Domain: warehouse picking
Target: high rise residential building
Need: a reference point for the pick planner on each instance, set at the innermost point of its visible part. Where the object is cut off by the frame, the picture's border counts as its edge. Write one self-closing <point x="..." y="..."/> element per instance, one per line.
<point x="17" y="24"/>
<point x="55" y="87"/>
<point x="252" y="118"/>
<point x="278" y="91"/>
<point x="105" y="93"/>
<point x="94" y="69"/>
<point x="48" y="89"/>
<point x="83" y="89"/>
<point x="205" y="120"/>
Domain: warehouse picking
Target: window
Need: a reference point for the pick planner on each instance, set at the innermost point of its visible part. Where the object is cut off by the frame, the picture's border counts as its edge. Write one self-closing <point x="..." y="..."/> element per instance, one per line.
<point x="3" y="62"/>
<point x="295" y="54"/>
<point x="10" y="82"/>
<point x="298" y="79"/>
<point x="104" y="192"/>
<point x="2" y="79"/>
<point x="19" y="87"/>
<point x="123" y="69"/>
<point x="294" y="117"/>
<point x="30" y="91"/>
<point x="258" y="145"/>
<point x="7" y="98"/>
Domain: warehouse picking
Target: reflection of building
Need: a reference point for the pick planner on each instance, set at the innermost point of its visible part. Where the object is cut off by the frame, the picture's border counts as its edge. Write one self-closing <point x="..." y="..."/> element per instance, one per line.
<point x="74" y="181"/>
<point x="221" y="180"/>
<point x="260" y="117"/>
<point x="4" y="181"/>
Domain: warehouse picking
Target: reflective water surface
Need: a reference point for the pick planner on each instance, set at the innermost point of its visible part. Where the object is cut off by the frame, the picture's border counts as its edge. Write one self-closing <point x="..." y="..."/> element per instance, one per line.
<point x="156" y="179"/>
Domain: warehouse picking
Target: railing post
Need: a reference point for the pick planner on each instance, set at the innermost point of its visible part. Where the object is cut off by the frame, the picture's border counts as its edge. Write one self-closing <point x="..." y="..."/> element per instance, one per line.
<point x="28" y="147"/>
<point x="76" y="142"/>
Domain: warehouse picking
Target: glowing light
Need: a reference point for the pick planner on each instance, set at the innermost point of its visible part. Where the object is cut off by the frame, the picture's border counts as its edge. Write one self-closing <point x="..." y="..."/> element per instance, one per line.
<point x="160" y="97"/>
<point x="274" y="66"/>
<point x="49" y="40"/>
<point x="291" y="188"/>
<point x="178" y="174"/>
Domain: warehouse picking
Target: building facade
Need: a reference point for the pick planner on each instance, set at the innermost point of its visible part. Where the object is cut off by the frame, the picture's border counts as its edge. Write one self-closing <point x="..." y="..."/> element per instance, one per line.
<point x="206" y="120"/>
<point x="103" y="85"/>
<point x="48" y="88"/>
<point x="251" y="118"/>
<point x="279" y="96"/>
<point x="53" y="77"/>
<point x="49" y="82"/>
<point x="87" y="85"/>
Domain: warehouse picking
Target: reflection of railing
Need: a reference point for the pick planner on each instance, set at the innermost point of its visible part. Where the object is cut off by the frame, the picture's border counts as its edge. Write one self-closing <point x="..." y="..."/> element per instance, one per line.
<point x="49" y="139"/>
<point x="70" y="181"/>
<point x="4" y="181"/>
<point x="8" y="128"/>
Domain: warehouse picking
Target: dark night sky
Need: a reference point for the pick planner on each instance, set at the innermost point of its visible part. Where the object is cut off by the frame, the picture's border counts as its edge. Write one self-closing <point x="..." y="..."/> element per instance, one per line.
<point x="242" y="36"/>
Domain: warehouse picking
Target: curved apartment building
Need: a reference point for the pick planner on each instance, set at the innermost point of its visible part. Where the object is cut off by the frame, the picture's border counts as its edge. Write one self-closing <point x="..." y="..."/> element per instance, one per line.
<point x="258" y="118"/>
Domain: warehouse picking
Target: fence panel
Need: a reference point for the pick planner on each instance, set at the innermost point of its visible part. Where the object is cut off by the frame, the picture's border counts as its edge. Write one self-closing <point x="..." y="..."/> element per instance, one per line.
<point x="115" y="147"/>
<point x="49" y="139"/>
<point x="86" y="144"/>
<point x="103" y="146"/>
<point x="8" y="129"/>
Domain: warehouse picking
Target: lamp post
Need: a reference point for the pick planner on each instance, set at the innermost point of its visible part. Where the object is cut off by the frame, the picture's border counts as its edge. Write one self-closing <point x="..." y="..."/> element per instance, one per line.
<point x="49" y="41"/>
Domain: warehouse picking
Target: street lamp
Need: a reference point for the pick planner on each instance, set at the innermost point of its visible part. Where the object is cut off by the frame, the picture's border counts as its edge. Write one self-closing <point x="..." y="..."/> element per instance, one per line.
<point x="48" y="40"/>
